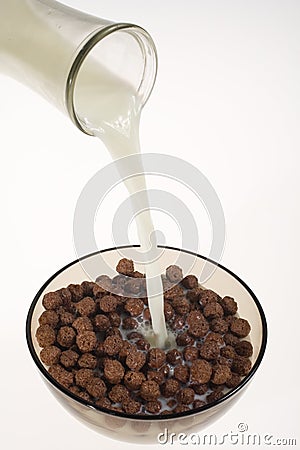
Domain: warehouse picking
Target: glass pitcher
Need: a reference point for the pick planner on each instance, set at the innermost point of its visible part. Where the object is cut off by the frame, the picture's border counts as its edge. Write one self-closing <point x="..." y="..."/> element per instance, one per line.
<point x="44" y="45"/>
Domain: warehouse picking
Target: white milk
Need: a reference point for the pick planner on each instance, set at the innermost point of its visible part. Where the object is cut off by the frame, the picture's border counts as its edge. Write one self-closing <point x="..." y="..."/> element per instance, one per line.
<point x="109" y="108"/>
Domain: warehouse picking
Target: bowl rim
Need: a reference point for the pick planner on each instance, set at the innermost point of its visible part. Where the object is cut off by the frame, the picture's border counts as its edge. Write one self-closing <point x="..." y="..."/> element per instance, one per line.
<point x="149" y="417"/>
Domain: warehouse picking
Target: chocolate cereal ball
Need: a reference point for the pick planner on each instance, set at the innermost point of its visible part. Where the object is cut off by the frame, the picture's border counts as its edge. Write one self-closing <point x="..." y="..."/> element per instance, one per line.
<point x="129" y="323"/>
<point x="184" y="339"/>
<point x="101" y="322"/>
<point x="209" y="350"/>
<point x="174" y="356"/>
<point x="156" y="358"/>
<point x="185" y="396"/>
<point x="114" y="318"/>
<point x="241" y="365"/>
<point x="69" y="358"/>
<point x="66" y="336"/>
<point x="113" y="371"/>
<point x="190" y="282"/>
<point x="50" y="355"/>
<point x="230" y="339"/>
<point x="83" y="377"/>
<point x="61" y="375"/>
<point x="86" y="341"/>
<point x="206" y="296"/>
<point x="49" y="317"/>
<point x="87" y="361"/>
<point x="181" y="305"/>
<point x="52" y="300"/>
<point x="244" y="348"/>
<point x="134" y="380"/>
<point x="108" y="303"/>
<point x="198" y="325"/>
<point x="112" y="345"/>
<point x="76" y="292"/>
<point x="213" y="310"/>
<point x="149" y="390"/>
<point x="228" y="352"/>
<point x="201" y="372"/>
<point x="82" y="324"/>
<point x="219" y="326"/>
<point x="174" y="274"/>
<point x="234" y="380"/>
<point x="65" y="317"/>
<point x="86" y="306"/>
<point x="200" y="389"/>
<point x="168" y="311"/>
<point x="190" y="353"/>
<point x="221" y="373"/>
<point x="153" y="407"/>
<point x="131" y="406"/>
<point x="135" y="360"/>
<point x="229" y="305"/>
<point x="156" y="375"/>
<point x="134" y="306"/>
<point x="96" y="387"/>
<point x="240" y="327"/>
<point x="118" y="393"/>
<point x="170" y="387"/>
<point x="181" y="373"/>
<point x="45" y="335"/>
<point x="125" y="266"/>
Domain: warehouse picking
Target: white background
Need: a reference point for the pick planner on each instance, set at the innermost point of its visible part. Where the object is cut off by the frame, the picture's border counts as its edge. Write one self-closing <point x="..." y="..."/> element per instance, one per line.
<point x="227" y="99"/>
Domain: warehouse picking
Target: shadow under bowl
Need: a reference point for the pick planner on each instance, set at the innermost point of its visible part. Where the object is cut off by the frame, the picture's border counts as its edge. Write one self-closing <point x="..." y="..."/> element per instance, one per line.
<point x="146" y="429"/>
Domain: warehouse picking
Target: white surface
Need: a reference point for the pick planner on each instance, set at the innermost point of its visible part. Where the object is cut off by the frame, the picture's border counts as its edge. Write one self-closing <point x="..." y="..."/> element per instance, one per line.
<point x="227" y="99"/>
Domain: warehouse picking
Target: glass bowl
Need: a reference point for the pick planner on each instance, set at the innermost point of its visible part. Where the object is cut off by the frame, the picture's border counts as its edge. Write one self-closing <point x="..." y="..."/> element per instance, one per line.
<point x="147" y="429"/>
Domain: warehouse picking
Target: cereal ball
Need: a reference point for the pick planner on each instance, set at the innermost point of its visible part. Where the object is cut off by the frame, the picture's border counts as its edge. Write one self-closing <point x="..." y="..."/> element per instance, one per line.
<point x="181" y="373"/>
<point x="112" y="345"/>
<point x="113" y="371"/>
<point x="230" y="339"/>
<point x="240" y="327"/>
<point x="193" y="295"/>
<point x="153" y="407"/>
<point x="115" y="319"/>
<point x="127" y="348"/>
<point x="198" y="404"/>
<point x="118" y="393"/>
<point x="216" y="337"/>
<point x="178" y="323"/>
<point x="61" y="375"/>
<point x="228" y="352"/>
<point x="170" y="387"/>
<point x="83" y="376"/>
<point x="45" y="335"/>
<point x="174" y="274"/>
<point x="49" y="317"/>
<point x="76" y="292"/>
<point x="82" y="324"/>
<point x="229" y="305"/>
<point x="133" y="286"/>
<point x="135" y="360"/>
<point x="50" y="355"/>
<point x="190" y="353"/>
<point x="65" y="317"/>
<point x="108" y="303"/>
<point x="86" y="306"/>
<point x="233" y="381"/>
<point x="244" y="348"/>
<point x="69" y="358"/>
<point x="86" y="341"/>
<point x="113" y="331"/>
<point x="149" y="390"/>
<point x="168" y="311"/>
<point x="134" y="306"/>
<point x="52" y="300"/>
<point x="156" y="358"/>
<point x="181" y="305"/>
<point x="180" y="408"/>
<point x="207" y="295"/>
<point x="96" y="387"/>
<point x="103" y="402"/>
<point x="65" y="296"/>
<point x="174" y="356"/>
<point x="101" y="322"/>
<point x="156" y="375"/>
<point x="185" y="396"/>
<point x="184" y="339"/>
<point x="133" y="380"/>
<point x="201" y="372"/>
<point x="214" y="396"/>
<point x="219" y="326"/>
<point x="190" y="282"/>
<point x="174" y="292"/>
<point x="209" y="350"/>
<point x="131" y="406"/>
<point x="213" y="310"/>
<point x="241" y="365"/>
<point x="125" y="266"/>
<point x="200" y="389"/>
<point x="220" y="374"/>
<point x="224" y="361"/>
<point x="198" y="325"/>
<point x="129" y="323"/>
<point x="66" y="336"/>
<point x="87" y="361"/>
<point x="142" y="344"/>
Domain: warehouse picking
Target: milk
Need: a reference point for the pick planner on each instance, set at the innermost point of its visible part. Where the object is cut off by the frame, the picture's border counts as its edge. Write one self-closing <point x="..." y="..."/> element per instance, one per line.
<point x="110" y="108"/>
